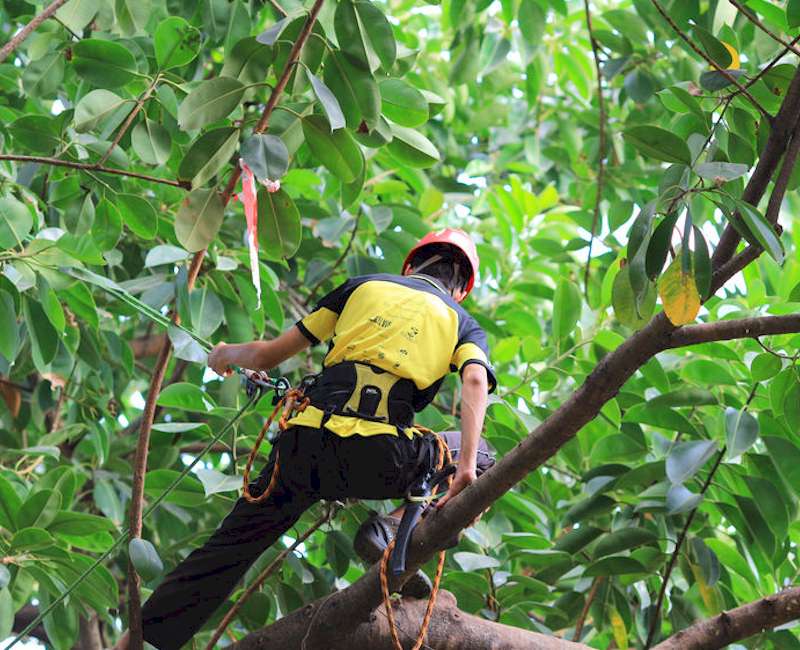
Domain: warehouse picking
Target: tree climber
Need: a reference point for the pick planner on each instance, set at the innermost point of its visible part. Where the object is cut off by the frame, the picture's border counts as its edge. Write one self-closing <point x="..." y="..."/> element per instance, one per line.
<point x="392" y="341"/>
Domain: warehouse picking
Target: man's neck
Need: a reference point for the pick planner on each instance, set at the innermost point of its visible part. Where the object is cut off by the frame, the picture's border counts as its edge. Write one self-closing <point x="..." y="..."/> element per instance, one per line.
<point x="432" y="281"/>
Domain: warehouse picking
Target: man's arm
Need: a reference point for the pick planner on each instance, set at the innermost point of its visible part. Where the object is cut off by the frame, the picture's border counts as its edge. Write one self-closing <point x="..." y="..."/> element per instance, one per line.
<point x="257" y="355"/>
<point x="474" y="399"/>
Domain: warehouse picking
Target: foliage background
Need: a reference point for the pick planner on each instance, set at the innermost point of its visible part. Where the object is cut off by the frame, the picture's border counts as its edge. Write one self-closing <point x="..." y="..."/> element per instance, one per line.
<point x="481" y="115"/>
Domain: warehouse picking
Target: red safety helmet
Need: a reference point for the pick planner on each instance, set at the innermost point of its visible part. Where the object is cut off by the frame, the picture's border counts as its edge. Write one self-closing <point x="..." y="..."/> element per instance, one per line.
<point x="454" y="237"/>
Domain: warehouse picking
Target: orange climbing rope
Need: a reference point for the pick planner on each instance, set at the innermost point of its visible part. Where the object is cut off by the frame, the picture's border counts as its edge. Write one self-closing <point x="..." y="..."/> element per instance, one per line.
<point x="444" y="451"/>
<point x="292" y="401"/>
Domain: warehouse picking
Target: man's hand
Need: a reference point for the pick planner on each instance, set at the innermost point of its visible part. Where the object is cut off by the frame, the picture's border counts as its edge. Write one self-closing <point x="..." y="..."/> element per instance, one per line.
<point x="461" y="480"/>
<point x="219" y="360"/>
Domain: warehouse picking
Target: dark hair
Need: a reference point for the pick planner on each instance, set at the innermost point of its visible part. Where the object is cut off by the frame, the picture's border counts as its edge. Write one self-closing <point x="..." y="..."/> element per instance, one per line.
<point x="443" y="269"/>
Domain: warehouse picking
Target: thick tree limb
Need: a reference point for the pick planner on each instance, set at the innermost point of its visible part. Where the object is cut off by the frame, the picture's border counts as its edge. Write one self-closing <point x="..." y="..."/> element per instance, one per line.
<point x="782" y="127"/>
<point x="93" y="167"/>
<point x="20" y="36"/>
<point x="450" y="629"/>
<point x="727" y="330"/>
<point x="737" y="624"/>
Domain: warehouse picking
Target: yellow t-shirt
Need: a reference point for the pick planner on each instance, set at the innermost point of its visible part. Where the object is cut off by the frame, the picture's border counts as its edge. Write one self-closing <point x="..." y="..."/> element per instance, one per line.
<point x="406" y="325"/>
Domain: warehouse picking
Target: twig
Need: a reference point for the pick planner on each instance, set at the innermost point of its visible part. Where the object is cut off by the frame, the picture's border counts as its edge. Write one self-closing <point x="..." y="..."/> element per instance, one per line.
<point x="754" y="19"/>
<point x="129" y="120"/>
<point x="585" y="610"/>
<point x="336" y="264"/>
<point x="674" y="557"/>
<point x="602" y="147"/>
<point x="709" y="60"/>
<point x="93" y="167"/>
<point x="266" y="573"/>
<point x="775" y="353"/>
<point x="20" y="36"/>
<point x="768" y="67"/>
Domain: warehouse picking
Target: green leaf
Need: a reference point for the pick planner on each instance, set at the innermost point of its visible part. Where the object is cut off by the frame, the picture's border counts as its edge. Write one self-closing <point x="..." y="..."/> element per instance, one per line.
<point x="50" y="304"/>
<point x="10" y="504"/>
<point x="107" y="226"/>
<point x="188" y="492"/>
<point x="741" y="430"/>
<point x="355" y="89"/>
<point x="199" y="219"/>
<point x="702" y="264"/>
<point x="765" y="366"/>
<point x="61" y="625"/>
<point x="402" y="103"/>
<point x="43" y="77"/>
<point x="76" y="14"/>
<point x="79" y="524"/>
<point x="9" y="333"/>
<point x="793" y="13"/>
<point x="723" y="171"/>
<point x="714" y="48"/>
<point x="684" y="397"/>
<point x="248" y="61"/>
<point x="208" y="155"/>
<point x="212" y="100"/>
<point x="279" y="228"/>
<point x="145" y="559"/>
<point x="132" y="15"/>
<point x="686" y="458"/>
<point x="39" y="509"/>
<point x="532" y="22"/>
<point x="44" y="339"/>
<point x="412" y="148"/>
<point x="207" y="311"/>
<point x="6" y="612"/>
<point x="475" y="561"/>
<point x="216" y="482"/>
<point x="151" y="142"/>
<point x="31" y="539"/>
<point x="96" y="107"/>
<point x="770" y="503"/>
<point x="566" y="308"/>
<point x="186" y="397"/>
<point x="680" y="500"/>
<point x="658" y="143"/>
<point x="786" y="456"/>
<point x="329" y="103"/>
<point x="623" y="300"/>
<point x="266" y="155"/>
<point x="614" y="566"/>
<point x="105" y="64"/>
<point x="16" y="222"/>
<point x="165" y="254"/>
<point x="337" y="151"/>
<point x="364" y="33"/>
<point x="271" y="35"/>
<point x="36" y="132"/>
<point x="762" y="230"/>
<point x="138" y="214"/>
<point x="81" y="248"/>
<point x="622" y="540"/>
<point x="176" y="43"/>
<point x="756" y="523"/>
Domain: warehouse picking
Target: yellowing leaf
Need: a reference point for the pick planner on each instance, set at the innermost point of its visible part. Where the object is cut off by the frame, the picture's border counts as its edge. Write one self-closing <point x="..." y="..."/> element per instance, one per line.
<point x="711" y="597"/>
<point x="735" y="63"/>
<point x="679" y="295"/>
<point x="619" y="629"/>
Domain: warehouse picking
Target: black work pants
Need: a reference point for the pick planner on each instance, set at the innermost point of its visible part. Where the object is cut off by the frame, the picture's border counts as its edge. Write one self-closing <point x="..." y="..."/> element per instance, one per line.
<point x="314" y="464"/>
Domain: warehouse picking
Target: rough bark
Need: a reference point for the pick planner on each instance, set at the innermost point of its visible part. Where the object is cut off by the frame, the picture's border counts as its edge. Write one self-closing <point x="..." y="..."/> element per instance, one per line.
<point x="737" y="624"/>
<point x="450" y="629"/>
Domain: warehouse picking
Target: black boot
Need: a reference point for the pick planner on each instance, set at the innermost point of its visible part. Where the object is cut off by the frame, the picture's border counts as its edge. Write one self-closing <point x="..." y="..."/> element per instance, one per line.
<point x="372" y="539"/>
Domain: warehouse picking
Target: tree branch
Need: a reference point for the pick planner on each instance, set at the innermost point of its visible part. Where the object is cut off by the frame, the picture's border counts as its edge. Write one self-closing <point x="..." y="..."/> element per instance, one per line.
<point x="727" y="330"/>
<point x="750" y="15"/>
<point x="93" y="167"/>
<point x="129" y="120"/>
<point x="782" y="127"/>
<point x="20" y="36"/>
<point x="450" y="629"/>
<point x="709" y="60"/>
<point x="601" y="146"/>
<point x="740" y="623"/>
<point x="336" y="264"/>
